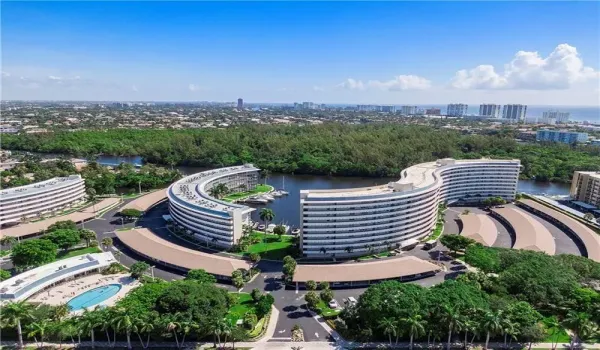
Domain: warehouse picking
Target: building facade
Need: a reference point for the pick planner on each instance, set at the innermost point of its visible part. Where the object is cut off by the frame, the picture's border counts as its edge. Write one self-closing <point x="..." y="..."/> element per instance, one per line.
<point x="408" y="110"/>
<point x="433" y="111"/>
<point x="240" y="103"/>
<point x="567" y="137"/>
<point x="515" y="113"/>
<point x="457" y="110"/>
<point x="554" y="116"/>
<point x="490" y="110"/>
<point x="585" y="187"/>
<point x="352" y="222"/>
<point x="209" y="219"/>
<point x="40" y="198"/>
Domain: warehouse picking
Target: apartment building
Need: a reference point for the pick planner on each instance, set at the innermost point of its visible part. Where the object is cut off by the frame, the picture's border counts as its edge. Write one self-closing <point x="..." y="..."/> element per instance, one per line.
<point x="490" y="110"/>
<point x="585" y="187"/>
<point x="352" y="222"/>
<point x="457" y="110"/>
<point x="514" y="113"/>
<point x="209" y="219"/>
<point x="568" y="137"/>
<point x="41" y="198"/>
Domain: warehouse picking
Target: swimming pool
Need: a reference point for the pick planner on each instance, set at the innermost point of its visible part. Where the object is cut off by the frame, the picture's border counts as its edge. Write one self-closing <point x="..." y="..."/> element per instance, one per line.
<point x="93" y="297"/>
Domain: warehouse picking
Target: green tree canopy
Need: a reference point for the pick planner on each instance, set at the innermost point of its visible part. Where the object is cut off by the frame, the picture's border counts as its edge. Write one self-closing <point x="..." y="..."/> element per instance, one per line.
<point x="33" y="253"/>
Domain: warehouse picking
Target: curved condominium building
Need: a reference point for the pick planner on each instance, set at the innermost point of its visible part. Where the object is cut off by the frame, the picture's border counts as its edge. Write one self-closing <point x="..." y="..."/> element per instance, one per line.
<point x="351" y="222"/>
<point x="40" y="198"/>
<point x="212" y="220"/>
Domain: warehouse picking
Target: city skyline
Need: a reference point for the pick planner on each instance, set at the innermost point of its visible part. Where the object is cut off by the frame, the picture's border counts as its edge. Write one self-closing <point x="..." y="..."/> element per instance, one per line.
<point x="335" y="53"/>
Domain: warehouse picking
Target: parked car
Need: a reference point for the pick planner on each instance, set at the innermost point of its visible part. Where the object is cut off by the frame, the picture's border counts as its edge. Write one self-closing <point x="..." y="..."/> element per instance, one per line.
<point x="333" y="304"/>
<point x="352" y="301"/>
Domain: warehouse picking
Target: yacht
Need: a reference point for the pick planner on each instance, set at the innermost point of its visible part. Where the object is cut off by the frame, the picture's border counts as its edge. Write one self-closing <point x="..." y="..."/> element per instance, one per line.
<point x="256" y="200"/>
<point x="276" y="194"/>
<point x="282" y="190"/>
<point x="268" y="197"/>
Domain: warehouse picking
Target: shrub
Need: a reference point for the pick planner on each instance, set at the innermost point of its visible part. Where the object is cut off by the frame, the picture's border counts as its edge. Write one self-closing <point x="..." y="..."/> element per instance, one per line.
<point x="250" y="320"/>
<point x="256" y="294"/>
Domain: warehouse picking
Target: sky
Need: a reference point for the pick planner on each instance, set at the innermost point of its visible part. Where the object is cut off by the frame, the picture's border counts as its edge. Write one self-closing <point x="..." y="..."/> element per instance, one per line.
<point x="538" y="53"/>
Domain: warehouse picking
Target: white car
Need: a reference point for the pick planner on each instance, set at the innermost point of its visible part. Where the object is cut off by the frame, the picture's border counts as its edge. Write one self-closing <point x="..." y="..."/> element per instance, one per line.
<point x="352" y="301"/>
<point x="333" y="304"/>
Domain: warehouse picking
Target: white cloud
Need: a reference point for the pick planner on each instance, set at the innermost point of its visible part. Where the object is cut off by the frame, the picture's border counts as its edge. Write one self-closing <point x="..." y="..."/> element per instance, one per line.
<point x="134" y="88"/>
<point x="401" y="83"/>
<point x="5" y="74"/>
<point x="529" y="71"/>
<point x="193" y="87"/>
<point x="318" y="88"/>
<point x="351" y="84"/>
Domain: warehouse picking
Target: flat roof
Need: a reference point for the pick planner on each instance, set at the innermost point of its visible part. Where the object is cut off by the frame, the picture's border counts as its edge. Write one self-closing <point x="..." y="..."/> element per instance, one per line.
<point x="148" y="244"/>
<point x="30" y="282"/>
<point x="191" y="190"/>
<point x="480" y="228"/>
<point x="530" y="234"/>
<point x="584" y="205"/>
<point x="39" y="187"/>
<point x="587" y="236"/>
<point x="364" y="271"/>
<point x="593" y="174"/>
<point x="144" y="202"/>
<point x="84" y="214"/>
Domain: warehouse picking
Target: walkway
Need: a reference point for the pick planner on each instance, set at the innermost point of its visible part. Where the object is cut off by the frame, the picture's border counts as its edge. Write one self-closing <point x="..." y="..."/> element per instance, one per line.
<point x="147" y="201"/>
<point x="530" y="234"/>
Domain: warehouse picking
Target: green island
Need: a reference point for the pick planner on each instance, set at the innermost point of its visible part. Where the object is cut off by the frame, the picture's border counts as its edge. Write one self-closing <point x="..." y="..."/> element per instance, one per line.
<point x="327" y="149"/>
<point x="259" y="189"/>
<point x="267" y="246"/>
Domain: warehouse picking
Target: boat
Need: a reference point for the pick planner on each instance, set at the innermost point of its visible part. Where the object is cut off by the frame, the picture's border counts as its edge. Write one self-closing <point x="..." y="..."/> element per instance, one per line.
<point x="261" y="227"/>
<point x="282" y="190"/>
<point x="256" y="200"/>
<point x="295" y="231"/>
<point x="276" y="194"/>
<point x="267" y="197"/>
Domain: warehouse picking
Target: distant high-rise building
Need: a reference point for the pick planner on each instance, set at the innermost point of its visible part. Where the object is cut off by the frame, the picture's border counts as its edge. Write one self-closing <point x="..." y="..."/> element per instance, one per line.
<point x="489" y="110"/>
<point x="308" y="105"/>
<point x="515" y="113"/>
<point x="568" y="137"/>
<point x="457" y="110"/>
<point x="388" y="109"/>
<point x="433" y="111"/>
<point x="408" y="110"/>
<point x="585" y="187"/>
<point x="240" y="104"/>
<point x="554" y="116"/>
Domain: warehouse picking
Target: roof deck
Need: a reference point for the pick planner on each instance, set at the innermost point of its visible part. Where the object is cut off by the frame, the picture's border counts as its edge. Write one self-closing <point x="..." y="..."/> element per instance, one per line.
<point x="39" y="187"/>
<point x="480" y="228"/>
<point x="530" y="234"/>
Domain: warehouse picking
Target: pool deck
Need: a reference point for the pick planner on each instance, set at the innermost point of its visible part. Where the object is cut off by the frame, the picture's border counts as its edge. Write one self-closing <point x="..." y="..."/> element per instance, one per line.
<point x="66" y="291"/>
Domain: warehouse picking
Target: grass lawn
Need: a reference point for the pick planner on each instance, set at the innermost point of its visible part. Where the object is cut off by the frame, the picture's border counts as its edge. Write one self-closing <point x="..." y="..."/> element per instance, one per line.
<point x="372" y="256"/>
<point x="245" y="304"/>
<point x="259" y="189"/>
<point x="325" y="311"/>
<point x="258" y="328"/>
<point x="76" y="252"/>
<point x="271" y="246"/>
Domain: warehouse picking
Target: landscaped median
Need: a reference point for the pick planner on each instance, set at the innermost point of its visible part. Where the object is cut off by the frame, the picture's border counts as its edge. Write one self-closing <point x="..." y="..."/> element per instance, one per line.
<point x="259" y="189"/>
<point x="268" y="246"/>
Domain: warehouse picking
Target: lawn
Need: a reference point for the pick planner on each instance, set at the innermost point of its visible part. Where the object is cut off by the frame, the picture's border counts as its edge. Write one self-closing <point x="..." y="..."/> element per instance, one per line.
<point x="259" y="189"/>
<point x="76" y="252"/>
<point x="245" y="304"/>
<point x="325" y="311"/>
<point x="271" y="246"/>
<point x="372" y="256"/>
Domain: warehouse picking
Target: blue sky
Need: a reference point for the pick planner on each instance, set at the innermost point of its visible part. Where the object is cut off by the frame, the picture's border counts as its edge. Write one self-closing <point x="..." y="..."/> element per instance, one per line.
<point x="336" y="52"/>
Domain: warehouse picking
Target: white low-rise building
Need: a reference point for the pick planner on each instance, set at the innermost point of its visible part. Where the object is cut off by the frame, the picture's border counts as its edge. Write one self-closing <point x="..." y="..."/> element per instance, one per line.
<point x="26" y="284"/>
<point x="40" y="198"/>
<point x="352" y="222"/>
<point x="212" y="220"/>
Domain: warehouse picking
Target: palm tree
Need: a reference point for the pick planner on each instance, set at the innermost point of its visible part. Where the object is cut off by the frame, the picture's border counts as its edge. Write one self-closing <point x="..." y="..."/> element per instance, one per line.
<point x="553" y="324"/>
<point x="87" y="324"/>
<point x="388" y="326"/>
<point x="171" y="325"/>
<point x="452" y="318"/>
<point x="60" y="312"/>
<point x="38" y="328"/>
<point x="218" y="329"/>
<point x="187" y="327"/>
<point x="267" y="215"/>
<point x="415" y="325"/>
<point x="107" y="242"/>
<point x="219" y="191"/>
<point x="580" y="324"/>
<point x="91" y="193"/>
<point x="492" y="323"/>
<point x="87" y="235"/>
<point x="144" y="326"/>
<point x="117" y="255"/>
<point x="15" y="312"/>
<point x="124" y="322"/>
<point x="9" y="241"/>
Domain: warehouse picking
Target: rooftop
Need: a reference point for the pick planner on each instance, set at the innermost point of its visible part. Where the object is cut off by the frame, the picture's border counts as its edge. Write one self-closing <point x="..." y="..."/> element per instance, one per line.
<point x="480" y="228"/>
<point x="146" y="201"/>
<point x="147" y="243"/>
<point x="192" y="191"/>
<point x="364" y="271"/>
<point x="530" y="234"/>
<point x="39" y="187"/>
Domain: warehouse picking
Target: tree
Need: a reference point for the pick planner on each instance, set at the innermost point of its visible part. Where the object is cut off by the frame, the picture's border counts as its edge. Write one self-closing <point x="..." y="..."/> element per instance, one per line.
<point x="138" y="269"/>
<point x="323" y="285"/>
<point x="14" y="313"/>
<point x="107" y="242"/>
<point x="200" y="275"/>
<point x="466" y="212"/>
<point x="267" y="215"/>
<point x="450" y="317"/>
<point x="4" y="275"/>
<point x="219" y="191"/>
<point x="532" y="334"/>
<point x="388" y="326"/>
<point x="492" y="324"/>
<point x="580" y="324"/>
<point x="312" y="299"/>
<point x="123" y="321"/>
<point x="131" y="214"/>
<point x="62" y="225"/>
<point x="238" y="282"/>
<point x="32" y="253"/>
<point x="8" y="241"/>
<point x="87" y="323"/>
<point x="91" y="194"/>
<point x="326" y="295"/>
<point x="311" y="285"/>
<point x="456" y="242"/>
<point x="588" y="216"/>
<point x="279" y="230"/>
<point x="250" y="320"/>
<point x="64" y="238"/>
<point x="144" y="326"/>
<point x="39" y="328"/>
<point x="415" y="325"/>
<point x="256" y="294"/>
<point x="255" y="258"/>
<point x="87" y="236"/>
<point x="289" y="266"/>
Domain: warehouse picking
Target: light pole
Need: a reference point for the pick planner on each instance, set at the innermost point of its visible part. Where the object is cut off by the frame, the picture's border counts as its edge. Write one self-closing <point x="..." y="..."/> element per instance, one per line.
<point x="152" y="271"/>
<point x="140" y="186"/>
